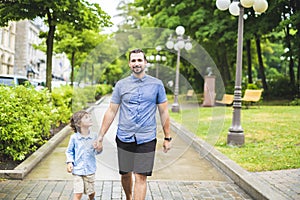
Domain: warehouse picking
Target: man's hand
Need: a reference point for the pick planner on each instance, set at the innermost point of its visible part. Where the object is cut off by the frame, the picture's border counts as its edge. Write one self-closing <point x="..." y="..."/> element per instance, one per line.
<point x="166" y="146"/>
<point x="70" y="167"/>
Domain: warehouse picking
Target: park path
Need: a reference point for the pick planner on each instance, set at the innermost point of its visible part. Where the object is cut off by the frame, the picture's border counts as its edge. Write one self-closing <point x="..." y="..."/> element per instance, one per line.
<point x="179" y="174"/>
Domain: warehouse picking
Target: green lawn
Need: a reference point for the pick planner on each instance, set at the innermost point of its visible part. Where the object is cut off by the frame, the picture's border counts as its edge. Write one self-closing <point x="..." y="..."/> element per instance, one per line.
<point x="272" y="134"/>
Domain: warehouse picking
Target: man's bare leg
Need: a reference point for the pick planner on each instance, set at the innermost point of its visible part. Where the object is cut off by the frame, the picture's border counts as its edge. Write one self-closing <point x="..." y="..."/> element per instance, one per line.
<point x="140" y="187"/>
<point x="126" y="181"/>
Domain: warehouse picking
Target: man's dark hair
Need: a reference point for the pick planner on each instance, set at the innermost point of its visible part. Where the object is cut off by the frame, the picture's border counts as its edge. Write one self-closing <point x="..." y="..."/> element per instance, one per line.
<point x="137" y="51"/>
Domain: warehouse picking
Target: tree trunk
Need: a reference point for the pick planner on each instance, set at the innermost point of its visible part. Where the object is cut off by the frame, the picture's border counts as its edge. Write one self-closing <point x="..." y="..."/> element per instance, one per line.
<point x="261" y="65"/>
<point x="50" y="39"/>
<point x="72" y="68"/>
<point x="92" y="74"/>
<point x="223" y="65"/>
<point x="248" y="48"/>
<point x="295" y="4"/>
<point x="290" y="54"/>
<point x="298" y="74"/>
<point x="298" y="67"/>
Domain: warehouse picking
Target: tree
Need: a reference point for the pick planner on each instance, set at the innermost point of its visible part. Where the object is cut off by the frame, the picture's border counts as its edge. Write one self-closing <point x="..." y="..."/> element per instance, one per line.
<point x="77" y="44"/>
<point x="78" y="13"/>
<point x="216" y="31"/>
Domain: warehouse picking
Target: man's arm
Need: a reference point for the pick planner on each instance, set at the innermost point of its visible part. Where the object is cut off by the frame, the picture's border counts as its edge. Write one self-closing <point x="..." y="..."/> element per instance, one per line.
<point x="165" y="121"/>
<point x="108" y="118"/>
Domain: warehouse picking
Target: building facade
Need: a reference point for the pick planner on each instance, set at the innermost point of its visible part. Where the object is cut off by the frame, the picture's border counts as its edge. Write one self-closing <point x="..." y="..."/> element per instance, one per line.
<point x="19" y="56"/>
<point x="7" y="48"/>
<point x="28" y="60"/>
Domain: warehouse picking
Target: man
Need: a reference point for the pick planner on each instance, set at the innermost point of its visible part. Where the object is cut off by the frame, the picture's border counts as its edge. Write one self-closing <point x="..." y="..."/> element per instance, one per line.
<point x="138" y="96"/>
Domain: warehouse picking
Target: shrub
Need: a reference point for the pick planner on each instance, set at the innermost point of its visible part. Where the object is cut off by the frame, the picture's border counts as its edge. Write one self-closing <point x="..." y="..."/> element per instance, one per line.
<point x="62" y="100"/>
<point x="27" y="115"/>
<point x="101" y="90"/>
<point x="281" y="87"/>
<point x="88" y="92"/>
<point x="25" y="120"/>
<point x="295" y="102"/>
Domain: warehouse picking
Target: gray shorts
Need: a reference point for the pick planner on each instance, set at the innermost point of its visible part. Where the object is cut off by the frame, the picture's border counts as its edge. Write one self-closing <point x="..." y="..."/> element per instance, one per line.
<point x="137" y="158"/>
<point x="84" y="184"/>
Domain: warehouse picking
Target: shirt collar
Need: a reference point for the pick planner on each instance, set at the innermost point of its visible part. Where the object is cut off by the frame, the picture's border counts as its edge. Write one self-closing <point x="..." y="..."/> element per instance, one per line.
<point x="81" y="137"/>
<point x="135" y="79"/>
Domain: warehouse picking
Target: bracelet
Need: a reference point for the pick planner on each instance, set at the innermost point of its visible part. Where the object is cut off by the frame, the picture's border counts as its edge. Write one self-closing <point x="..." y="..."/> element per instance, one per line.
<point x="168" y="139"/>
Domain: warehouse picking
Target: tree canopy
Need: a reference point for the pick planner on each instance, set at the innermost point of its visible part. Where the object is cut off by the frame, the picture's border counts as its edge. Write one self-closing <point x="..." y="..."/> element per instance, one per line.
<point x="79" y="14"/>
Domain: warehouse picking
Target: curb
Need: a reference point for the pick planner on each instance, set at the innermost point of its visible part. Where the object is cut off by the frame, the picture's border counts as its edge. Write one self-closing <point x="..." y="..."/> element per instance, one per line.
<point x="27" y="165"/>
<point x="249" y="182"/>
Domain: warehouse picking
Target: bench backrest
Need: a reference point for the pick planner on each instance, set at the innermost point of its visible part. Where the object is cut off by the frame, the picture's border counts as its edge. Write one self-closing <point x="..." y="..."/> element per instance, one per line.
<point x="252" y="95"/>
<point x="190" y="93"/>
<point x="228" y="98"/>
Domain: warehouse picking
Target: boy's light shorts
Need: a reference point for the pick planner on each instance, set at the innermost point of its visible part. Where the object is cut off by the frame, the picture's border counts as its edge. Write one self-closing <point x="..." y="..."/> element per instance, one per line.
<point x="84" y="184"/>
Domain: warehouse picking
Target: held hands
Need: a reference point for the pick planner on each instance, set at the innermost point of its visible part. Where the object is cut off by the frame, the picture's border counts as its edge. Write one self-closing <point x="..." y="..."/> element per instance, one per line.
<point x="98" y="144"/>
<point x="70" y="167"/>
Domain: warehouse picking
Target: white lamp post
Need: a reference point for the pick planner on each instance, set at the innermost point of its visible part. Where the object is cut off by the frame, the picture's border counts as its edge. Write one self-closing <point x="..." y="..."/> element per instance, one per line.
<point x="236" y="134"/>
<point x="180" y="43"/>
<point x="157" y="58"/>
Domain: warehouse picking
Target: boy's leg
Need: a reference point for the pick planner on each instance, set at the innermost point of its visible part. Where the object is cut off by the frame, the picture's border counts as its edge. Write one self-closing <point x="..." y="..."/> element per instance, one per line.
<point x="77" y="196"/>
<point x="78" y="187"/>
<point x="92" y="196"/>
<point x="89" y="185"/>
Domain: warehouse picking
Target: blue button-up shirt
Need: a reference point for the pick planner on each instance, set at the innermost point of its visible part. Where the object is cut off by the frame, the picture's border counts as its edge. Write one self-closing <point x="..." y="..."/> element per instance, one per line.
<point x="138" y="99"/>
<point x="82" y="154"/>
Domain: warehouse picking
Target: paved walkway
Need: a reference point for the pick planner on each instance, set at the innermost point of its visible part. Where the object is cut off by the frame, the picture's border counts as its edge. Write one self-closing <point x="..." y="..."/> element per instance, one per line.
<point x="286" y="181"/>
<point x="192" y="178"/>
<point x="106" y="190"/>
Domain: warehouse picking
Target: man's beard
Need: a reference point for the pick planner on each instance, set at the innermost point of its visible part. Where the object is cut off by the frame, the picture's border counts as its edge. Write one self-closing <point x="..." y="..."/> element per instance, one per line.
<point x="137" y="67"/>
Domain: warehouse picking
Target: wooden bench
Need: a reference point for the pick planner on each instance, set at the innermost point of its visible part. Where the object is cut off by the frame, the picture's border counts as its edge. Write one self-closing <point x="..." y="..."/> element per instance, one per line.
<point x="227" y="99"/>
<point x="189" y="94"/>
<point x="252" y="96"/>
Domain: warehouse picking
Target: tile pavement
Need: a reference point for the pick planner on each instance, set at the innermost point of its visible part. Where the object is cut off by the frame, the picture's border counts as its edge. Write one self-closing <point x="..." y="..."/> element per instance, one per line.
<point x="286" y="181"/>
<point x="105" y="190"/>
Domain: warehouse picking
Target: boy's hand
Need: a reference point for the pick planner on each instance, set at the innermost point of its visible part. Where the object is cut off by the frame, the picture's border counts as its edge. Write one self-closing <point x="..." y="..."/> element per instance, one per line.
<point x="70" y="167"/>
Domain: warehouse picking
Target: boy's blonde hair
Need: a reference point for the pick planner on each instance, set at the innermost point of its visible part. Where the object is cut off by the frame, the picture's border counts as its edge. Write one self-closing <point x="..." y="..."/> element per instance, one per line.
<point x="76" y="120"/>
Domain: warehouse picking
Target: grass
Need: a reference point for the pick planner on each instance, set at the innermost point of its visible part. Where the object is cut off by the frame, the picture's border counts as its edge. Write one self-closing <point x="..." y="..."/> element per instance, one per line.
<point x="272" y="134"/>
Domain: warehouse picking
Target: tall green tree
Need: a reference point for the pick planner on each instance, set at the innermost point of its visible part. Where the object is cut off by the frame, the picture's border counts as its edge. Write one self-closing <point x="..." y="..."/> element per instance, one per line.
<point x="78" y="44"/>
<point x="78" y="13"/>
<point x="216" y="31"/>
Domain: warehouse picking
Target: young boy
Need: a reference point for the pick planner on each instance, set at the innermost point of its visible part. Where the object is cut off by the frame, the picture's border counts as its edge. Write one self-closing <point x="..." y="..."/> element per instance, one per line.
<point x="81" y="155"/>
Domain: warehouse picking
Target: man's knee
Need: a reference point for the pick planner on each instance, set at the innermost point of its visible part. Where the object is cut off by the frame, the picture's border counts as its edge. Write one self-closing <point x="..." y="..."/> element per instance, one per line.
<point x="140" y="177"/>
<point x="127" y="175"/>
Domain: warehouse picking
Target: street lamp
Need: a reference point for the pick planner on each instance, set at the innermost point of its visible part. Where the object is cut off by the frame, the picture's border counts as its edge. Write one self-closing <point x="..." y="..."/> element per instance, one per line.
<point x="180" y="43"/>
<point x="236" y="134"/>
<point x="157" y="58"/>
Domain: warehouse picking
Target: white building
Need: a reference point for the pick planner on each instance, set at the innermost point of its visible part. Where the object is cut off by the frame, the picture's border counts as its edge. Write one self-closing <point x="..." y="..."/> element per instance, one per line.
<point x="7" y="48"/>
<point x="19" y="56"/>
<point x="28" y="60"/>
<point x="61" y="67"/>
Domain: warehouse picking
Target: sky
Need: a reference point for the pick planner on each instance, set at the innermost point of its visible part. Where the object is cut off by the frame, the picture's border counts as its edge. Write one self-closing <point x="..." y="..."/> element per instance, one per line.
<point x="110" y="7"/>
